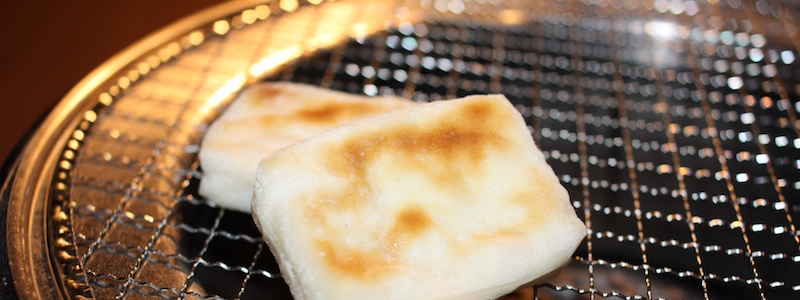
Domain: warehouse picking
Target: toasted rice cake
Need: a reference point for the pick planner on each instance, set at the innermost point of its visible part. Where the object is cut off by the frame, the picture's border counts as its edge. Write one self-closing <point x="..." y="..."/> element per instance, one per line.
<point x="446" y="200"/>
<point x="264" y="118"/>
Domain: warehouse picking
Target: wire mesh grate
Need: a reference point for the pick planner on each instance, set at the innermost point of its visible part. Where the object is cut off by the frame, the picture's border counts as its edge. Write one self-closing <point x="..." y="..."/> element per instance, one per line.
<point x="673" y="127"/>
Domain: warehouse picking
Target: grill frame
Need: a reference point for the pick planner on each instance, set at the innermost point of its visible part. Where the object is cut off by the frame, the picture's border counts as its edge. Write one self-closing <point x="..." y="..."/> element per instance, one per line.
<point x="41" y="244"/>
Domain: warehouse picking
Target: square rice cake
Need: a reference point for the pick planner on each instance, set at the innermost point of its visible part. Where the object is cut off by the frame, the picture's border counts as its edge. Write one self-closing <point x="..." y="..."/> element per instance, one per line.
<point x="446" y="200"/>
<point x="264" y="118"/>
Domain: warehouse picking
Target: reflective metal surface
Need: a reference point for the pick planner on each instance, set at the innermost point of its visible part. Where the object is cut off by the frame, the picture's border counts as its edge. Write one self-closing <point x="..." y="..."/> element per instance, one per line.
<point x="672" y="124"/>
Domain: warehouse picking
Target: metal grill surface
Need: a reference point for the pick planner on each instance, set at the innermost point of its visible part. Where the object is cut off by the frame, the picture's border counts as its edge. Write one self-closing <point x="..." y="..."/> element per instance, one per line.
<point x="672" y="124"/>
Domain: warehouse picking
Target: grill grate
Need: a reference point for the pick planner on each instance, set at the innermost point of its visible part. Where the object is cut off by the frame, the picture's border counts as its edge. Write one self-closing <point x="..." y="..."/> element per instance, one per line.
<point x="672" y="125"/>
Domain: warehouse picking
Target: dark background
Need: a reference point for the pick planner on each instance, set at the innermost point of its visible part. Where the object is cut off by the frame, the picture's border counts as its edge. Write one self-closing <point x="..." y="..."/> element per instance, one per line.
<point x="46" y="47"/>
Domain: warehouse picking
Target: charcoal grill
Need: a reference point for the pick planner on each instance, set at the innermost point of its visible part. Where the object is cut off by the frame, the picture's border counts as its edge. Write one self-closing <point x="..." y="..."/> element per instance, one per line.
<point x="672" y="124"/>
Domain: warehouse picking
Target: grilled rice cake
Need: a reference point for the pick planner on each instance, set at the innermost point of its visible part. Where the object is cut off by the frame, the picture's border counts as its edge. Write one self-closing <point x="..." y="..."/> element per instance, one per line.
<point x="264" y="118"/>
<point x="446" y="200"/>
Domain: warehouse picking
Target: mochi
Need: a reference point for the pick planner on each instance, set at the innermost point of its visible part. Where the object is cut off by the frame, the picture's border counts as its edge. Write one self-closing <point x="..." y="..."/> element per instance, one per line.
<point x="264" y="118"/>
<point x="445" y="200"/>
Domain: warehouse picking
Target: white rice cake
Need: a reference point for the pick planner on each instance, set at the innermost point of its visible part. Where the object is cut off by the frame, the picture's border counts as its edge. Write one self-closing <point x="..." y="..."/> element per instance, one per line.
<point x="264" y="118"/>
<point x="447" y="200"/>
